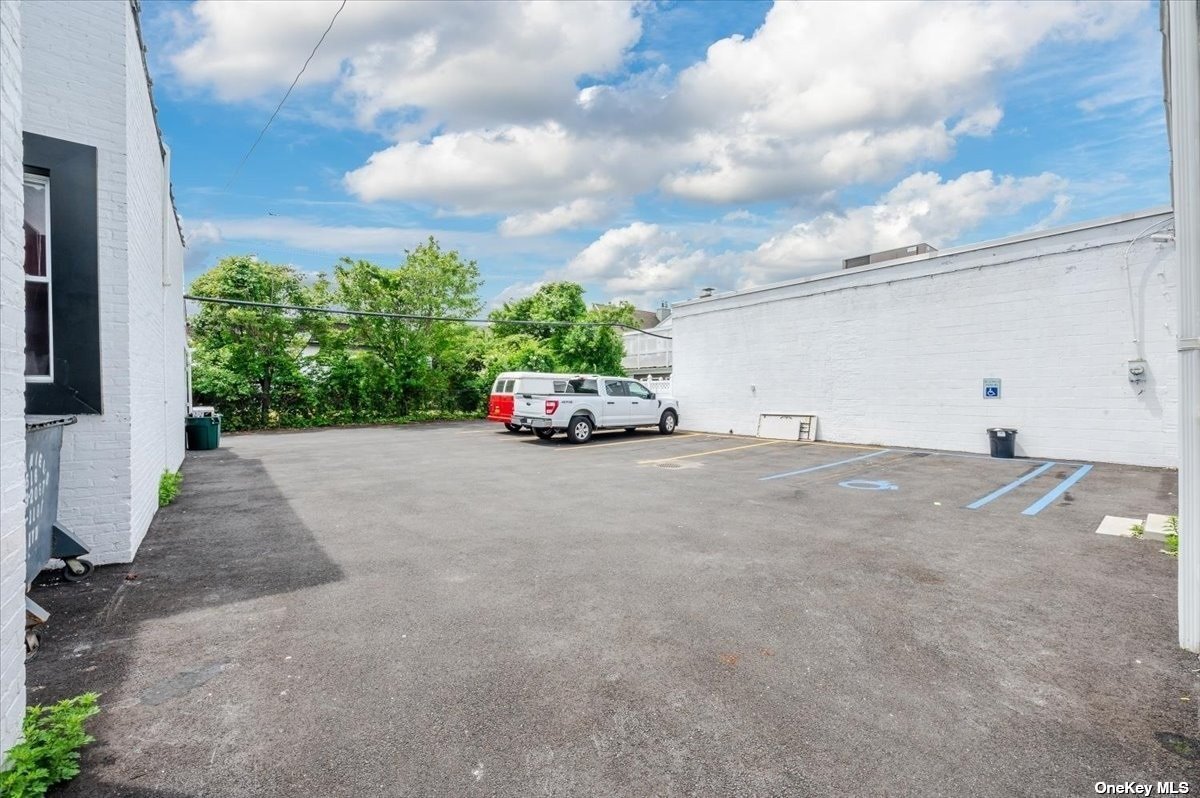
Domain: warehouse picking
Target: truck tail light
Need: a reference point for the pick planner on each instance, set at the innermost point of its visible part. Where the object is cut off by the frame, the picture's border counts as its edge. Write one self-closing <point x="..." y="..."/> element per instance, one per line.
<point x="551" y="406"/>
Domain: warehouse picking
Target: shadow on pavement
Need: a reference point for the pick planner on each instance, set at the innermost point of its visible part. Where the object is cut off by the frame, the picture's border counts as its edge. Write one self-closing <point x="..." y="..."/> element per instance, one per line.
<point x="229" y="537"/>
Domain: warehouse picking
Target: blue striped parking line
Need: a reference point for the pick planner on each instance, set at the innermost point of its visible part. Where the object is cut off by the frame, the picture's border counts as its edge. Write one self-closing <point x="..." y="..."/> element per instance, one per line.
<point x="1063" y="487"/>
<point x="827" y="465"/>
<point x="996" y="494"/>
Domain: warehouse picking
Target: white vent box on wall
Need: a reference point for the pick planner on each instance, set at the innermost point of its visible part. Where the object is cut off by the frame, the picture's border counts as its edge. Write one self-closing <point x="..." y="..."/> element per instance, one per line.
<point x="785" y="427"/>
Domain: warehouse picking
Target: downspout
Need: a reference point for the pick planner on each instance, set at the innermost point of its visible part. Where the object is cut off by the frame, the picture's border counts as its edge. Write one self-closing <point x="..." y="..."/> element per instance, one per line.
<point x="1181" y="68"/>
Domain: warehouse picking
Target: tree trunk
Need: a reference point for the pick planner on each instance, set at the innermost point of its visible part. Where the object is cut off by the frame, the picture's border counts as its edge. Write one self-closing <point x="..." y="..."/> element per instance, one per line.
<point x="264" y="401"/>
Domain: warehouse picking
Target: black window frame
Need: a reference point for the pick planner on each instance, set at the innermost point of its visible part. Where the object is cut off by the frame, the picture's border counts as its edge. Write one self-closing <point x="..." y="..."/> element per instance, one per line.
<point x="76" y="387"/>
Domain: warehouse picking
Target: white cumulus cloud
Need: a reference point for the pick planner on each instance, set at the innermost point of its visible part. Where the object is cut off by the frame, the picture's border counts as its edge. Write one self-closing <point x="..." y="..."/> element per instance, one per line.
<point x="648" y="262"/>
<point x="455" y="63"/>
<point x="637" y="261"/>
<point x="921" y="208"/>
<point x="508" y="168"/>
<point x="564" y="217"/>
<point x="821" y="96"/>
<point x="537" y="113"/>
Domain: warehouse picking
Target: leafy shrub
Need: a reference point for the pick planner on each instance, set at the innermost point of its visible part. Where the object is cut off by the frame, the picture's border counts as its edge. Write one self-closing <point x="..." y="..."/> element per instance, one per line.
<point x="49" y="754"/>
<point x="168" y="487"/>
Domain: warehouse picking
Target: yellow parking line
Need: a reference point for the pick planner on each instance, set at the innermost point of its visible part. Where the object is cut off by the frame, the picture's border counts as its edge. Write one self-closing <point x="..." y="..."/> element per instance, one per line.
<point x="840" y="445"/>
<point x="711" y="451"/>
<point x="799" y="443"/>
<point x="587" y="447"/>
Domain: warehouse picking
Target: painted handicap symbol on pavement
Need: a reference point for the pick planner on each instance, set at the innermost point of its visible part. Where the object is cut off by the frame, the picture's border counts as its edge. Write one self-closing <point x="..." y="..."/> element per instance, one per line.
<point x="868" y="484"/>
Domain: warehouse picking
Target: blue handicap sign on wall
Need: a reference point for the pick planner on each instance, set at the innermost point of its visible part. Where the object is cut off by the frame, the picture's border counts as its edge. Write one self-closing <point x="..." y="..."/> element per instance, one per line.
<point x="991" y="388"/>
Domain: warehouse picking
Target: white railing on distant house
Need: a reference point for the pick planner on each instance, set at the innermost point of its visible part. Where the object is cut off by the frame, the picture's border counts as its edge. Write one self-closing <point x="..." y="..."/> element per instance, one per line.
<point x="647" y="351"/>
<point x="646" y="360"/>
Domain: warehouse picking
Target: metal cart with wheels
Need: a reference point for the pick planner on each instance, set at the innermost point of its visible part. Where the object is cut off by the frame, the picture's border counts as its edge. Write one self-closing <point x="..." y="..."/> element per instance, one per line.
<point x="45" y="539"/>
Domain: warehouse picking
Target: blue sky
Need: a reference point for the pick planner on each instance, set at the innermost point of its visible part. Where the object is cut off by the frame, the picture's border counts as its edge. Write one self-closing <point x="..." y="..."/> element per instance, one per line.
<point x="649" y="149"/>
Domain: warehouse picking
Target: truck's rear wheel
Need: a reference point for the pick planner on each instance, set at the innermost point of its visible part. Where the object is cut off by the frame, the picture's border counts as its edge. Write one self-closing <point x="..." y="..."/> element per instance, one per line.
<point x="545" y="434"/>
<point x="579" y="430"/>
<point x="666" y="424"/>
<point x="512" y="427"/>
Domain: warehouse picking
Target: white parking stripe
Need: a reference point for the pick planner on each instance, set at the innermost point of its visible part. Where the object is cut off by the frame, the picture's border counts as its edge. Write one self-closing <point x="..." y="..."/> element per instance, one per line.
<point x="826" y="465"/>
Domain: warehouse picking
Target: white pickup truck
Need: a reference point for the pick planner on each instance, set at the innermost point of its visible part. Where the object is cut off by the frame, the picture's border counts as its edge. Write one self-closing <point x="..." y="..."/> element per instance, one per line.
<point x="591" y="402"/>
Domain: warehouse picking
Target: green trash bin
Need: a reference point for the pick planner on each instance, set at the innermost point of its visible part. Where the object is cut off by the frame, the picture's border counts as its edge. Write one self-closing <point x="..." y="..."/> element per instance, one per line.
<point x="203" y="432"/>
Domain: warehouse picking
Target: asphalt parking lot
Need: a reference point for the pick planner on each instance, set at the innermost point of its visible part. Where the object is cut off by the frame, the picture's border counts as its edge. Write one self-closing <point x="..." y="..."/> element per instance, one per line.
<point x="452" y="610"/>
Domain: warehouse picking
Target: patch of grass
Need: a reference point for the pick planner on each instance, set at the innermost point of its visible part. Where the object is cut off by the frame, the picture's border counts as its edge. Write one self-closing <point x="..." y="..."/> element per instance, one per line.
<point x="168" y="487"/>
<point x="1171" y="541"/>
<point x="1137" y="530"/>
<point x="49" y="754"/>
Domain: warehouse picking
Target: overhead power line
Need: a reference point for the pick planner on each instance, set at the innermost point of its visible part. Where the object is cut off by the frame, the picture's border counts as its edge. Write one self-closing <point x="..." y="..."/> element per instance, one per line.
<point x="286" y="94"/>
<point x="415" y="317"/>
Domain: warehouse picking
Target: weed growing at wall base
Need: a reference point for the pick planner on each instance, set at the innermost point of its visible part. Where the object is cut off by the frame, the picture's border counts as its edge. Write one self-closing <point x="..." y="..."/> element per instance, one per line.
<point x="1171" y="540"/>
<point x="1170" y="535"/>
<point x="168" y="487"/>
<point x="49" y="754"/>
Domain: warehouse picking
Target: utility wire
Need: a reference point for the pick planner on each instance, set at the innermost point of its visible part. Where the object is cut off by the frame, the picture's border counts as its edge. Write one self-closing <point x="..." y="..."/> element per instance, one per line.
<point x="286" y="94"/>
<point x="415" y="317"/>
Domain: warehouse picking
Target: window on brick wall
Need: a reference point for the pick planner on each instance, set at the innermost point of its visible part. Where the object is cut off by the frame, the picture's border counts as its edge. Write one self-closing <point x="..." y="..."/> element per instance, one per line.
<point x="39" y="338"/>
<point x="62" y="278"/>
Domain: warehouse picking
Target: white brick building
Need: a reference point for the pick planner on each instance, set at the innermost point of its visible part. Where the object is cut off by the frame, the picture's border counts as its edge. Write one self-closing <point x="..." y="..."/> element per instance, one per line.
<point x="896" y="353"/>
<point x="89" y="235"/>
<point x="12" y="384"/>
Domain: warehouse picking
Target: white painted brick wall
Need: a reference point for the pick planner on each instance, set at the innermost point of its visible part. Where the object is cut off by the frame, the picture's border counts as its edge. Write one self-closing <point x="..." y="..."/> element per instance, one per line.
<point x="75" y="90"/>
<point x="145" y="221"/>
<point x="12" y="383"/>
<point x="84" y="82"/>
<point x="174" y="349"/>
<point x="896" y="355"/>
<point x="156" y="309"/>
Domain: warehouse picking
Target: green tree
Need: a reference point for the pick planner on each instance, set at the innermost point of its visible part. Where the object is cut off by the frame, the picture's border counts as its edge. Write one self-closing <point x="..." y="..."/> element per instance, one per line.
<point x="411" y="364"/>
<point x="246" y="359"/>
<point x="260" y="367"/>
<point x="552" y="302"/>
<point x="598" y="349"/>
<point x="560" y="347"/>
